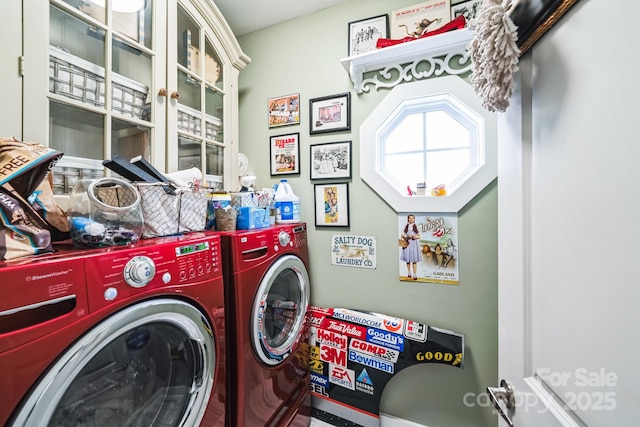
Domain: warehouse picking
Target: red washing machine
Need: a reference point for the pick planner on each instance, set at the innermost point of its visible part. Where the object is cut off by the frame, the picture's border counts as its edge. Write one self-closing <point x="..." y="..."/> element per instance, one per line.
<point x="267" y="283"/>
<point x="126" y="336"/>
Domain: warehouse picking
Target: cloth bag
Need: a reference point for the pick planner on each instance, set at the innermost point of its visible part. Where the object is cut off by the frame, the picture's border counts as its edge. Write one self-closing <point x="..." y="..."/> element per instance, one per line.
<point x="43" y="202"/>
<point x="31" y="219"/>
<point x="166" y="214"/>
<point x="25" y="164"/>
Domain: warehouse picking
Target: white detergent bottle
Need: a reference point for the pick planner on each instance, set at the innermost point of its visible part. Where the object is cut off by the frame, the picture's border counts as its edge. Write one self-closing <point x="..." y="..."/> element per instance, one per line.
<point x="287" y="204"/>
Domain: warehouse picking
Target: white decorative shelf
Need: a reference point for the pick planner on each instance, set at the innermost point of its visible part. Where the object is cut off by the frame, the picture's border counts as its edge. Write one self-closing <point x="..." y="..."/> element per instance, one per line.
<point x="413" y="60"/>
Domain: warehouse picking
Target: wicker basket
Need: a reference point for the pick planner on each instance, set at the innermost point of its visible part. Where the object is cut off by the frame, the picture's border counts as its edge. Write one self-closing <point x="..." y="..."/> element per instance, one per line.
<point x="83" y="81"/>
<point x="189" y="121"/>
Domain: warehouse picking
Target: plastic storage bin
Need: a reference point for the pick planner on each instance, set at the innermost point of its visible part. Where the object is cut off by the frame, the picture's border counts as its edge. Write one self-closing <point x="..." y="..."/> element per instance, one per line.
<point x="104" y="212"/>
<point x="250" y="218"/>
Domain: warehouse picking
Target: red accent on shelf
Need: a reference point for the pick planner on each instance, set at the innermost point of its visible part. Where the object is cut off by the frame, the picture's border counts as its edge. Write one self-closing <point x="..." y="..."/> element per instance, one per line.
<point x="456" y="24"/>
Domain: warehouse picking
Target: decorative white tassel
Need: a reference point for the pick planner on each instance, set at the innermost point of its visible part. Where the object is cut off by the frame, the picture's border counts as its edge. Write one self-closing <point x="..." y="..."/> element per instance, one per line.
<point x="494" y="54"/>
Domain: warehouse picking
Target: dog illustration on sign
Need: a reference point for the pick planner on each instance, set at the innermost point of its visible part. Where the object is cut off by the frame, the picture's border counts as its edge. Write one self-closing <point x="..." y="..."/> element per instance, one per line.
<point x="351" y="252"/>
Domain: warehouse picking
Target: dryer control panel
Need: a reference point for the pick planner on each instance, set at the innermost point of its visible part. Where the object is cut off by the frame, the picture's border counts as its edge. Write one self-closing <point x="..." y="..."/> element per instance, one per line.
<point x="290" y="236"/>
<point x="300" y="235"/>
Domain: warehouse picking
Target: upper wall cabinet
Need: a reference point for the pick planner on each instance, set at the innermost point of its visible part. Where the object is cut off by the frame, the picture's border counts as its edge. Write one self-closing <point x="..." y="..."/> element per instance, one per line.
<point x="156" y="79"/>
<point x="433" y="56"/>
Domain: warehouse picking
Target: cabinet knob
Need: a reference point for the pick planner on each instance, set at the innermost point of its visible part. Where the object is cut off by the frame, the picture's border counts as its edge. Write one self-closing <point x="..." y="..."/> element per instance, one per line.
<point x="175" y="95"/>
<point x="162" y="92"/>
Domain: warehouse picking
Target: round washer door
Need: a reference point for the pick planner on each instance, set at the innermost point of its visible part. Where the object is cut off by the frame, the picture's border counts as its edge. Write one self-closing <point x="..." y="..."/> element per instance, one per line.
<point x="279" y="309"/>
<point x="148" y="365"/>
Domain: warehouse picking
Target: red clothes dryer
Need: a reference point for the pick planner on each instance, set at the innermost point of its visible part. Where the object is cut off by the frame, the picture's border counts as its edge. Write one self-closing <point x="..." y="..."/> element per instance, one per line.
<point x="267" y="284"/>
<point x="126" y="336"/>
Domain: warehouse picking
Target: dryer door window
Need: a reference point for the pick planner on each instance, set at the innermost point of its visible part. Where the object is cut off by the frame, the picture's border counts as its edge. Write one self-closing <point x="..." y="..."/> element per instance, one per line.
<point x="279" y="310"/>
<point x="147" y="365"/>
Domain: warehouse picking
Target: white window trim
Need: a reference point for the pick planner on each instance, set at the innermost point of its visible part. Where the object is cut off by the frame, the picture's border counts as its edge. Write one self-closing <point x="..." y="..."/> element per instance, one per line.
<point x="369" y="147"/>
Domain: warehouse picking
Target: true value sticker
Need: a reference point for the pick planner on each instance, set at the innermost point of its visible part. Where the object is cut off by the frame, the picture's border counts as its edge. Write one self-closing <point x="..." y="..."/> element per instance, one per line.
<point x="353" y="251"/>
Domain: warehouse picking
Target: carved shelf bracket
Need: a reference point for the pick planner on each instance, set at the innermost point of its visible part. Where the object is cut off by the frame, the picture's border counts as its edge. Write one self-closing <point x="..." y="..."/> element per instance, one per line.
<point x="443" y="54"/>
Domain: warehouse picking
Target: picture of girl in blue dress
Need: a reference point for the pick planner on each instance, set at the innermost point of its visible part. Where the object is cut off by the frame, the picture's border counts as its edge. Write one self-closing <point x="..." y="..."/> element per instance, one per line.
<point x="411" y="254"/>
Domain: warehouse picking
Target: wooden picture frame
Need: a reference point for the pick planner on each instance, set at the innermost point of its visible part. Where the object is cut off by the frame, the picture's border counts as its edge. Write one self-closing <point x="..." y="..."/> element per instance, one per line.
<point x="535" y="17"/>
<point x="331" y="204"/>
<point x="284" y="154"/>
<point x="284" y="110"/>
<point x="364" y="34"/>
<point x="330" y="160"/>
<point x="330" y="113"/>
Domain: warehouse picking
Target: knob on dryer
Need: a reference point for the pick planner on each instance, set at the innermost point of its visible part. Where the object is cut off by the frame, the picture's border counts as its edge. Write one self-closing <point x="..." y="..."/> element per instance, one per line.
<point x="139" y="271"/>
<point x="284" y="238"/>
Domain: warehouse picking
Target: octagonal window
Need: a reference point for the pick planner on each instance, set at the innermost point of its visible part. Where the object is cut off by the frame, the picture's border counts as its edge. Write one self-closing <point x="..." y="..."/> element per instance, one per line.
<point x="434" y="140"/>
<point x="434" y="132"/>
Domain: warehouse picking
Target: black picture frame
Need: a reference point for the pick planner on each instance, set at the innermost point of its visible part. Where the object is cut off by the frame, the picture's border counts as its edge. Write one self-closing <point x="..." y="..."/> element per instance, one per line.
<point x="330" y="160"/>
<point x="284" y="154"/>
<point x="364" y="33"/>
<point x="330" y="113"/>
<point x="468" y="8"/>
<point x="331" y="201"/>
<point x="535" y="17"/>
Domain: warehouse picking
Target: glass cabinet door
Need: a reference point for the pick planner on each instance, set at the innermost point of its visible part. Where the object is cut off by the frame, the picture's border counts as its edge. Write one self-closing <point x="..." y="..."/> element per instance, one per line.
<point x="199" y="99"/>
<point x="101" y="64"/>
<point x="131" y="78"/>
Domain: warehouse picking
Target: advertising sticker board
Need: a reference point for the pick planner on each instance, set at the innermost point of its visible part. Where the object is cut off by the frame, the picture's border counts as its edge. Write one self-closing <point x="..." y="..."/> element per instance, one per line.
<point x="354" y="354"/>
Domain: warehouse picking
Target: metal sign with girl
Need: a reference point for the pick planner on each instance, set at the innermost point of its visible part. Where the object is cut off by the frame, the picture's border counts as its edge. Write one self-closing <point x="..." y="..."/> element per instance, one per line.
<point x="428" y="246"/>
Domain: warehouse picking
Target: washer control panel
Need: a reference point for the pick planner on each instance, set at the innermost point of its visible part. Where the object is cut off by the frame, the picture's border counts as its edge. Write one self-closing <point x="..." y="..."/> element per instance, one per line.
<point x="125" y="272"/>
<point x="196" y="260"/>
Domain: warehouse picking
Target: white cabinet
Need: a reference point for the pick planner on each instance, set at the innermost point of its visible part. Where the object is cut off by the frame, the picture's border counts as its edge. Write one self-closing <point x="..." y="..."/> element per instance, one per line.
<point x="10" y="53"/>
<point x="132" y="77"/>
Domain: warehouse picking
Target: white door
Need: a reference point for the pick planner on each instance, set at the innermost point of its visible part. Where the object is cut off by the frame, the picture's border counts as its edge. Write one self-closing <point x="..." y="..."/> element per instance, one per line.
<point x="569" y="225"/>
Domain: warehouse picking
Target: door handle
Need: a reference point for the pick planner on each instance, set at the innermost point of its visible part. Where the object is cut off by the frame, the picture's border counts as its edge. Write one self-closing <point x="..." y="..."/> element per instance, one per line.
<point x="505" y="393"/>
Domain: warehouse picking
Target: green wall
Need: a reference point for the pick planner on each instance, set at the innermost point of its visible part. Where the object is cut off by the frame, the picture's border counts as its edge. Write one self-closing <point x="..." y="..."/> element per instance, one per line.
<point x="302" y="56"/>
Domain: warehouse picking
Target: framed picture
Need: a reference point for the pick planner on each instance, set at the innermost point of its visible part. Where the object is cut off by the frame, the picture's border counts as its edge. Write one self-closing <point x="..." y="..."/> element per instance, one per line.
<point x="534" y="17"/>
<point x="284" y="110"/>
<point x="413" y="21"/>
<point x="469" y="9"/>
<point x="332" y="205"/>
<point x="330" y="113"/>
<point x="285" y="154"/>
<point x="332" y="160"/>
<point x="364" y="34"/>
